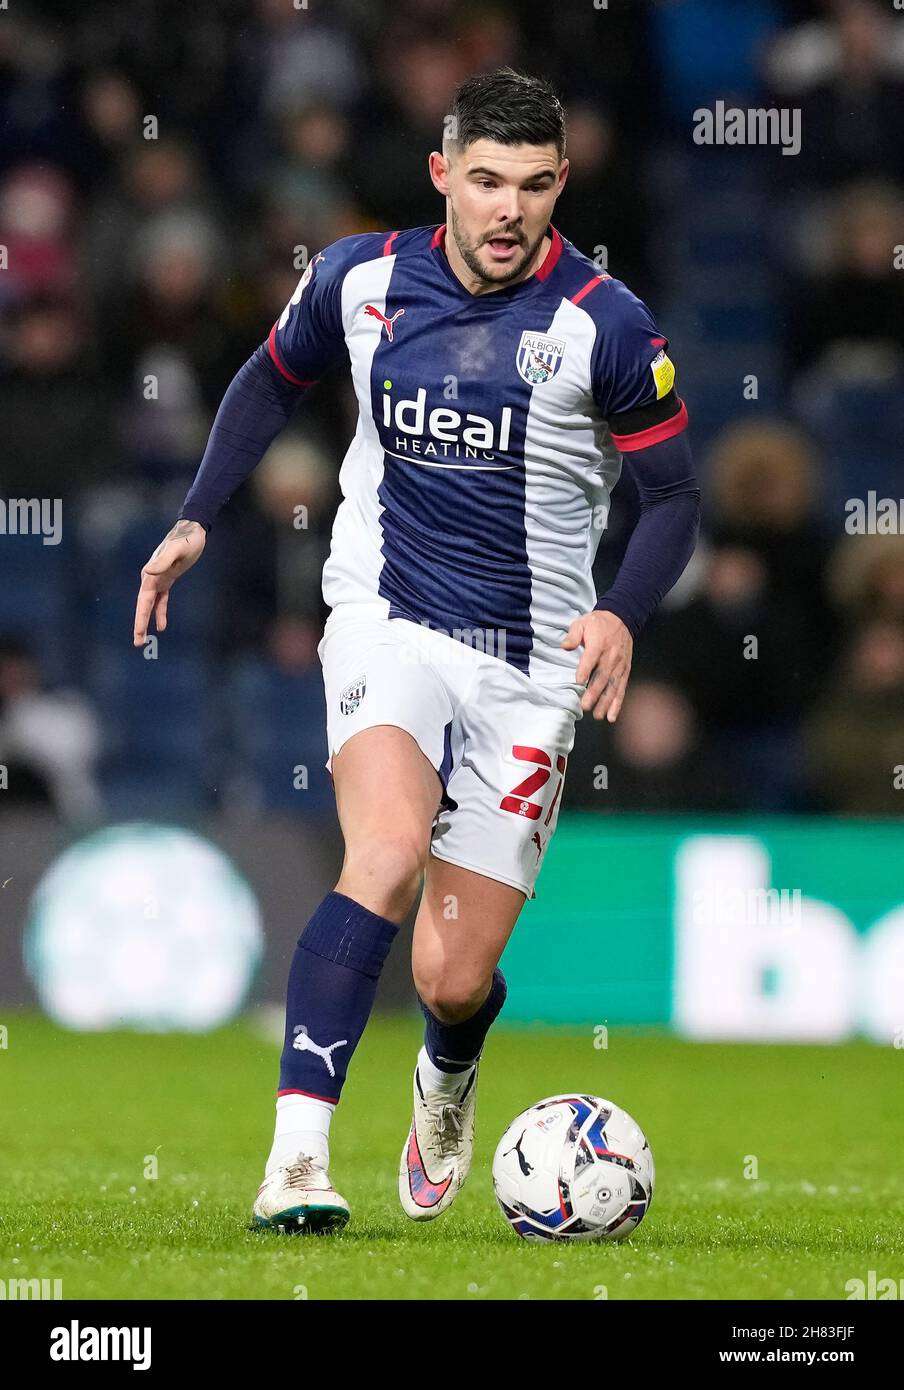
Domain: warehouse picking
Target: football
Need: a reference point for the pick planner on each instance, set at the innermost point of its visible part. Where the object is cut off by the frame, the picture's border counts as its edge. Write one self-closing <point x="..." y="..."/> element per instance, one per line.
<point x="574" y="1167"/>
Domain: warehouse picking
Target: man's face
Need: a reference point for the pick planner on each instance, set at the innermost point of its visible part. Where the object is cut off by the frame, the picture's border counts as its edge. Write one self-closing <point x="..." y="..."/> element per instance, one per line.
<point x="501" y="198"/>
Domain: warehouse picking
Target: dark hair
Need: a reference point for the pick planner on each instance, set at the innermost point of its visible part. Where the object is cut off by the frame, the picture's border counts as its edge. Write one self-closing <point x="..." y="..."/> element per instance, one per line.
<point x="508" y="107"/>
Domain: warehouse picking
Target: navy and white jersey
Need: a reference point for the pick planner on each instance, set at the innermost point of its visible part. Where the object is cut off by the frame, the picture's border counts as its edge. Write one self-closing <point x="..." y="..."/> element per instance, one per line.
<point x="489" y="437"/>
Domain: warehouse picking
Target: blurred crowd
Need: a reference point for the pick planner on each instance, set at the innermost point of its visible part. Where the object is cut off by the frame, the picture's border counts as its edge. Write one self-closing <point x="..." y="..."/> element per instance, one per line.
<point x="164" y="172"/>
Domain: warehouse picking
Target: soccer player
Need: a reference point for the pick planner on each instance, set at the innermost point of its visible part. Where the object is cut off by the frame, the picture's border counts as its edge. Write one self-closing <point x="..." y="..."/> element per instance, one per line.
<point x="501" y="376"/>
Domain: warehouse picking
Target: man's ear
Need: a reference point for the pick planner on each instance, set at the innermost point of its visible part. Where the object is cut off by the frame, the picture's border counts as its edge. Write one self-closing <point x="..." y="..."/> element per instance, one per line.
<point x="439" y="166"/>
<point x="563" y="176"/>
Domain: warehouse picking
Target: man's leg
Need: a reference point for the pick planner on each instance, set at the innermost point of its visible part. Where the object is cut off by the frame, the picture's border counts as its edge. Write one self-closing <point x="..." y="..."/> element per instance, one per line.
<point x="387" y="794"/>
<point x="462" y="926"/>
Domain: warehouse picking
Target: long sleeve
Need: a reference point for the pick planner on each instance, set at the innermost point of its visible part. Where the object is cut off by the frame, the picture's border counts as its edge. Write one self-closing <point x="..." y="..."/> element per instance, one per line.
<point x="306" y="339"/>
<point x="666" y="533"/>
<point x="258" y="404"/>
<point x="634" y="386"/>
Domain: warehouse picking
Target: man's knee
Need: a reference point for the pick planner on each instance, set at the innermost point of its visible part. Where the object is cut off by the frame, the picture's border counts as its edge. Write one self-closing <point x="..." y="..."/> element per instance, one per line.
<point x="451" y="996"/>
<point x="385" y="874"/>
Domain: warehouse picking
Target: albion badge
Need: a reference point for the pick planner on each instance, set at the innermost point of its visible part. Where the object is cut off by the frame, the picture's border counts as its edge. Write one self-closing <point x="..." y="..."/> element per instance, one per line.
<point x="351" y="697"/>
<point x="539" y="357"/>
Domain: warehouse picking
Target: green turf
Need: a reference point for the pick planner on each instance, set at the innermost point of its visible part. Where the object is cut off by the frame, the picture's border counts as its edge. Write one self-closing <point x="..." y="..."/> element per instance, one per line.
<point x="79" y="1113"/>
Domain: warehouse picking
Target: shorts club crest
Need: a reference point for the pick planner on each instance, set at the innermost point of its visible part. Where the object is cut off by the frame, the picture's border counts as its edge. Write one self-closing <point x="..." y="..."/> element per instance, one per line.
<point x="351" y="697"/>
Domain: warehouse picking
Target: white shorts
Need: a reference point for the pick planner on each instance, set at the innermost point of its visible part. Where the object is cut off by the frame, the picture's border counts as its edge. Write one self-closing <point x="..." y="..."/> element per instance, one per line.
<point x="498" y="740"/>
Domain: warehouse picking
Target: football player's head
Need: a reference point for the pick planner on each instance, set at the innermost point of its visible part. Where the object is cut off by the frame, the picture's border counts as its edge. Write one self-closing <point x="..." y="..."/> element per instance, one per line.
<point x="501" y="169"/>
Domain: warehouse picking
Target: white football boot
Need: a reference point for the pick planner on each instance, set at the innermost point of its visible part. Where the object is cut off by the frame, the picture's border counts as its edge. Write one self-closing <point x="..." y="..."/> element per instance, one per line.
<point x="437" y="1153"/>
<point x="300" y="1197"/>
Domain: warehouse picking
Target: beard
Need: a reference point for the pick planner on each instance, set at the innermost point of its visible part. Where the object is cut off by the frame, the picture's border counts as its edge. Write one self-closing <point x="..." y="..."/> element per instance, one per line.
<point x="494" y="275"/>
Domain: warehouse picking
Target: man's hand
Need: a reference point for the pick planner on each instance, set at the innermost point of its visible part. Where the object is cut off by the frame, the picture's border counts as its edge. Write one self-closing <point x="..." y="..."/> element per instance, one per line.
<point x="175" y="554"/>
<point x="606" y="663"/>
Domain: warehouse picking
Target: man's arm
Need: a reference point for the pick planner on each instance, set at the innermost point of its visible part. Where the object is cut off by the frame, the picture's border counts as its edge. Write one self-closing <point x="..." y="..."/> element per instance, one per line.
<point x="660" y="546"/>
<point x="665" y="536"/>
<point x="633" y="382"/>
<point x="257" y="406"/>
<point x="305" y="340"/>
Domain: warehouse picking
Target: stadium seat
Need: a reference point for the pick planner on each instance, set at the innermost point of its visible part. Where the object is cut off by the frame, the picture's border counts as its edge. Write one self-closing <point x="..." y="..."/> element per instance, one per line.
<point x="277" y="723"/>
<point x="860" y="426"/>
<point x="159" y="702"/>
<point x="36" y="602"/>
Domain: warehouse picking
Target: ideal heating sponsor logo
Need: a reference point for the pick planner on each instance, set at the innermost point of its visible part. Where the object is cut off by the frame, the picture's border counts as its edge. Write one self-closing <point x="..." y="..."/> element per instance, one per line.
<point x="443" y="436"/>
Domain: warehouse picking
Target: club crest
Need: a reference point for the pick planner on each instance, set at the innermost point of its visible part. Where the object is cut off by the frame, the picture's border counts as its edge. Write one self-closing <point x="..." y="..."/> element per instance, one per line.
<point x="351" y="697"/>
<point x="539" y="357"/>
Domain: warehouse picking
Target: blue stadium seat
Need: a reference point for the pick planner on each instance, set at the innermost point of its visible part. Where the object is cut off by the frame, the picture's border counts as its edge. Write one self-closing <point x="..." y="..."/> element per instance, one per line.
<point x="860" y="427"/>
<point x="151" y="791"/>
<point x="277" y="723"/>
<point x="710" y="48"/>
<point x="154" y="715"/>
<point x="158" y="702"/>
<point x="36" y="600"/>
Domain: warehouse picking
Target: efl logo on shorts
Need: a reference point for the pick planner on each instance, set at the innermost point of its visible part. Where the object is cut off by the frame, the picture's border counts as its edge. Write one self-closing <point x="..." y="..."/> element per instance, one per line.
<point x="351" y="697"/>
<point x="539" y="357"/>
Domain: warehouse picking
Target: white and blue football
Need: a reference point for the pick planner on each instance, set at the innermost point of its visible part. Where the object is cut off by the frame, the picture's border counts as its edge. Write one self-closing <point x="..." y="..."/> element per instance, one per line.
<point x="574" y="1167"/>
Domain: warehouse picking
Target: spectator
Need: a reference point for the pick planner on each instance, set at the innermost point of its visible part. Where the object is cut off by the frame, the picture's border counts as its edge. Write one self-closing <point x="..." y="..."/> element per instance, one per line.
<point x="855" y="738"/>
<point x="859" y="301"/>
<point x="49" y="741"/>
<point x="764" y="480"/>
<point x="156" y="178"/>
<point x="37" y="228"/>
<point x="55" y="412"/>
<point x="866" y="578"/>
<point x="171" y="345"/>
<point x="304" y="56"/>
<point x="761" y="614"/>
<point x="420" y="73"/>
<point x="655" y="760"/>
<point x="602" y="205"/>
<point x="111" y="119"/>
<point x="846" y="73"/>
<point x="284" y="540"/>
<point x="307" y="199"/>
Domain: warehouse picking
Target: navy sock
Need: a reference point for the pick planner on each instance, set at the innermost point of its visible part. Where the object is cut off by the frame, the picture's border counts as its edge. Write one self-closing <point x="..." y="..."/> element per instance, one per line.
<point x="332" y="985"/>
<point x="454" y="1047"/>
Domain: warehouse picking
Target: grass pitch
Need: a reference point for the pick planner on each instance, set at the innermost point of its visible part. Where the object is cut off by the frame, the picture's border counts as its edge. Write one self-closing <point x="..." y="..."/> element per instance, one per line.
<point x="82" y="1115"/>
